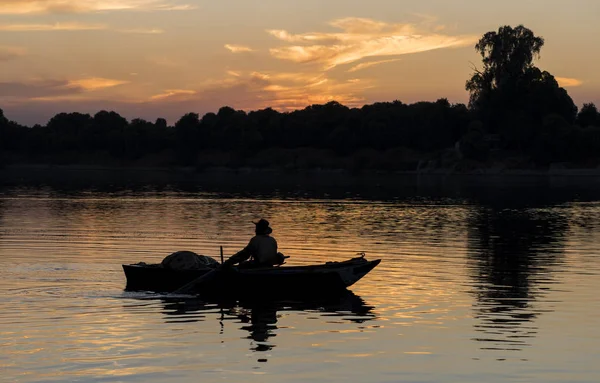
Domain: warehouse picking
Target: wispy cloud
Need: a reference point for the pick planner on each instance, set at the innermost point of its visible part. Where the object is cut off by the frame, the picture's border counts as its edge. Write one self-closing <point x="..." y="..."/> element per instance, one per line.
<point x="53" y="89"/>
<point x="36" y="102"/>
<point x="238" y="48"/>
<point x="40" y="88"/>
<point x="361" y="38"/>
<point x="568" y="82"/>
<point x="173" y="93"/>
<point x="290" y="90"/>
<point x="369" y="64"/>
<point x="16" y="7"/>
<point x="9" y="53"/>
<point x="94" y="83"/>
<point x="51" y="27"/>
<point x="142" y="31"/>
<point x="72" y="26"/>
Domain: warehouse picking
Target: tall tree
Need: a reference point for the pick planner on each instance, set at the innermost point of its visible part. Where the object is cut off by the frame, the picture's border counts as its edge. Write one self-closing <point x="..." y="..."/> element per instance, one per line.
<point x="510" y="94"/>
<point x="507" y="55"/>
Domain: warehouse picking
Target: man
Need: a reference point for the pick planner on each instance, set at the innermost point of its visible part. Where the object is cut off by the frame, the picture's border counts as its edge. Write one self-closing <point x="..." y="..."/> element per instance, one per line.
<point x="262" y="249"/>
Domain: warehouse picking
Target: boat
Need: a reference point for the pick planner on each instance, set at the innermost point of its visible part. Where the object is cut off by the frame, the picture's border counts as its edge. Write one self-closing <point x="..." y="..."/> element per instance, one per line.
<point x="330" y="277"/>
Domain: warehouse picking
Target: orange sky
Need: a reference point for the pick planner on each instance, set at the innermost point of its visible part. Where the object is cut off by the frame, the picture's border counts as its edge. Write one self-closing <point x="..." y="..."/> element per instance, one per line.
<point x="164" y="58"/>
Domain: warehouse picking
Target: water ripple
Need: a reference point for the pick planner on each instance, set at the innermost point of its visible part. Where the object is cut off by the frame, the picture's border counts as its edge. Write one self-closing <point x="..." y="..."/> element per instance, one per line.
<point x="462" y="286"/>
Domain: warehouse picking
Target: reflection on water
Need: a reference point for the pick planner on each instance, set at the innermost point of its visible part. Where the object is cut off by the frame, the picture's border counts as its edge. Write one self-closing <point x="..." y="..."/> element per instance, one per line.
<point x="259" y="318"/>
<point x="515" y="254"/>
<point x="471" y="275"/>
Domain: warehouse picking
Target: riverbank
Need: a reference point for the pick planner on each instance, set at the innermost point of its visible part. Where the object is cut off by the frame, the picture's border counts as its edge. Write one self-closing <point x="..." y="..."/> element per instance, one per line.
<point x="555" y="170"/>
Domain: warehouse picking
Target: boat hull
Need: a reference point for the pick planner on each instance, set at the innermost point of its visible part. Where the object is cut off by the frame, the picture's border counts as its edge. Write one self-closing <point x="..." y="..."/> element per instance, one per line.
<point x="322" y="279"/>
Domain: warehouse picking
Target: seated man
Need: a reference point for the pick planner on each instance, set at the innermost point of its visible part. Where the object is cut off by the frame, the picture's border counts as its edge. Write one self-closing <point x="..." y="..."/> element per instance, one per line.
<point x="262" y="249"/>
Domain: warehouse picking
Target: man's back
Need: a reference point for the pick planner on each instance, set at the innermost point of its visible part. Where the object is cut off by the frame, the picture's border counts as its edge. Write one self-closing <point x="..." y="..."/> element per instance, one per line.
<point x="264" y="249"/>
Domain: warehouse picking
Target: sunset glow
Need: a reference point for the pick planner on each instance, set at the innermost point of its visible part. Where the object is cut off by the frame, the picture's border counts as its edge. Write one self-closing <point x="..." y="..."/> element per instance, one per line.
<point x="165" y="58"/>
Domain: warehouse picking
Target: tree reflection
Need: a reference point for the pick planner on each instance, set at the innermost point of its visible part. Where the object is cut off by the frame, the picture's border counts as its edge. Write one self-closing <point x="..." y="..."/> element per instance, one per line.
<point x="513" y="253"/>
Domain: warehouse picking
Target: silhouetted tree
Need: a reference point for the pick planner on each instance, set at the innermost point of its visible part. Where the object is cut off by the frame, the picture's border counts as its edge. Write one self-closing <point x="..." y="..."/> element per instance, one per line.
<point x="3" y="120"/>
<point x="187" y="135"/>
<point x="3" y="130"/>
<point x="4" y="140"/>
<point x="66" y="131"/>
<point x="507" y="55"/>
<point x="108" y="130"/>
<point x="473" y="144"/>
<point x="556" y="141"/>
<point x="588" y="116"/>
<point x="160" y="123"/>
<point x="510" y="95"/>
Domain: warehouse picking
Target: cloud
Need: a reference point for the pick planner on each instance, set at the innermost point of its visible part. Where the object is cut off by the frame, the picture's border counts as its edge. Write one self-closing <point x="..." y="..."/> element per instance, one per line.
<point x="72" y="26"/>
<point x="153" y="31"/>
<point x="238" y="48"/>
<point x="173" y="93"/>
<point x="17" y="7"/>
<point x="94" y="83"/>
<point x="361" y="38"/>
<point x="568" y="82"/>
<point x="35" y="89"/>
<point x="9" y="53"/>
<point x="287" y="90"/>
<point x="250" y="90"/>
<point x="51" y="27"/>
<point x="362" y="26"/>
<point x="48" y="89"/>
<point x="369" y="64"/>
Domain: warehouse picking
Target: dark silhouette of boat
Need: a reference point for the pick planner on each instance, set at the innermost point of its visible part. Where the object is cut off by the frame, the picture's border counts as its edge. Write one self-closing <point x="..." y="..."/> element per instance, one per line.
<point x="284" y="281"/>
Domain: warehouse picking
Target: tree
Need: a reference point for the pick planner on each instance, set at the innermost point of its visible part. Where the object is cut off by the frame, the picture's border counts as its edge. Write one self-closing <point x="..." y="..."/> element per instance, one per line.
<point x="507" y="55"/>
<point x="110" y="120"/>
<point x="473" y="144"/>
<point x="3" y="120"/>
<point x="3" y="132"/>
<point x="67" y="131"/>
<point x="187" y="134"/>
<point x="510" y="91"/>
<point x="160" y="123"/>
<point x="588" y="116"/>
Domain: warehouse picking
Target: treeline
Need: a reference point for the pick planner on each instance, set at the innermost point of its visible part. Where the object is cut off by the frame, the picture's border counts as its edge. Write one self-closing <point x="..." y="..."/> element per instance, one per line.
<point x="422" y="126"/>
<point x="516" y="110"/>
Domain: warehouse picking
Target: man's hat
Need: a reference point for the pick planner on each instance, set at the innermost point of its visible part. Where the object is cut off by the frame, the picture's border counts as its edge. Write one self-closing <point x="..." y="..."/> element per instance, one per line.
<point x="262" y="227"/>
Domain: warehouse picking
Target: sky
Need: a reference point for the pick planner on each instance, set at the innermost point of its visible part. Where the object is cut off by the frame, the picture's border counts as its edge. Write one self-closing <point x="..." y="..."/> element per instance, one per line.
<point x="164" y="58"/>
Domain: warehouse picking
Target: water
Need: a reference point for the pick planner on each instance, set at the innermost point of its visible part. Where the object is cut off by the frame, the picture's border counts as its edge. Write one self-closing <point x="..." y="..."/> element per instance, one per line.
<point x="495" y="282"/>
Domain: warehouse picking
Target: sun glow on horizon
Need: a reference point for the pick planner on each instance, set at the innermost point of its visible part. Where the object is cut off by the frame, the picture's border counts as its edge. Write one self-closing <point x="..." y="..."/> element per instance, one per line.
<point x="142" y="56"/>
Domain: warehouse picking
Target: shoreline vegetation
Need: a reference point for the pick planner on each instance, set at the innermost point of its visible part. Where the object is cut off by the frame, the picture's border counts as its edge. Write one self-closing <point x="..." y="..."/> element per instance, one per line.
<point x="556" y="170"/>
<point x="519" y="121"/>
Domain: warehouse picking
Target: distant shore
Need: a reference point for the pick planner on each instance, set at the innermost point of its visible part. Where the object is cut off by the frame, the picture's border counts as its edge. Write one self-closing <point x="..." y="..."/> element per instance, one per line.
<point x="47" y="169"/>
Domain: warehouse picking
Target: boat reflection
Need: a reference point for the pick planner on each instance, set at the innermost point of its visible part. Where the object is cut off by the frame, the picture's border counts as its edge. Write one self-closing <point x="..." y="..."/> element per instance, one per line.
<point x="260" y="318"/>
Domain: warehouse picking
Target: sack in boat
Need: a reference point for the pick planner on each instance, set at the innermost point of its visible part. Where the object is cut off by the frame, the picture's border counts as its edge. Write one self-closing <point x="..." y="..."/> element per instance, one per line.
<point x="188" y="260"/>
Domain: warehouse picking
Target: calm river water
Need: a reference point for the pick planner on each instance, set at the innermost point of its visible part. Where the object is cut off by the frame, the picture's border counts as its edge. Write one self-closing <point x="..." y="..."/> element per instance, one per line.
<point x="490" y="281"/>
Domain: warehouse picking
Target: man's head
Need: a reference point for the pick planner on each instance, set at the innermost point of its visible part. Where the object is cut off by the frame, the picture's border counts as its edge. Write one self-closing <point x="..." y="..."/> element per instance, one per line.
<point x="262" y="227"/>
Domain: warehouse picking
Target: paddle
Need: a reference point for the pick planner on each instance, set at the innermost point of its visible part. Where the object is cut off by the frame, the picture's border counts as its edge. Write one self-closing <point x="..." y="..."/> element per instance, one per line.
<point x="191" y="286"/>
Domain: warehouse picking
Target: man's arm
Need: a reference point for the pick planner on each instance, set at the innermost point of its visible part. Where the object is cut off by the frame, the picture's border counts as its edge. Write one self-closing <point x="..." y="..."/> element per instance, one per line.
<point x="240" y="256"/>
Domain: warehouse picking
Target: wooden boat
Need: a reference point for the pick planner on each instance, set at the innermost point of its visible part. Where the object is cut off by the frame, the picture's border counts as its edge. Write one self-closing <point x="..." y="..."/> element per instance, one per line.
<point x="286" y="281"/>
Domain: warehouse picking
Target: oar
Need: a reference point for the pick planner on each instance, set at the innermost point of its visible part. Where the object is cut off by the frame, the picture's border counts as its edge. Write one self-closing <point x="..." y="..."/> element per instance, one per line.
<point x="191" y="286"/>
